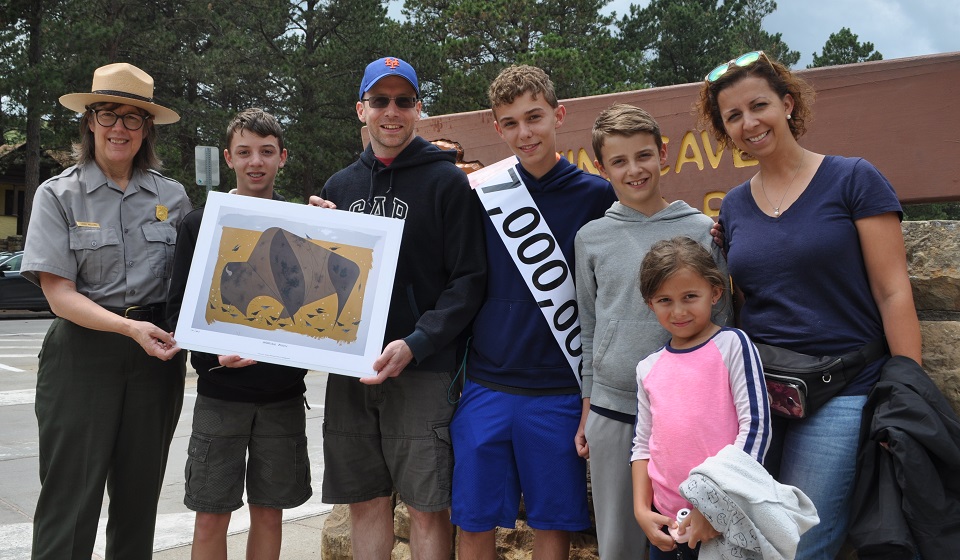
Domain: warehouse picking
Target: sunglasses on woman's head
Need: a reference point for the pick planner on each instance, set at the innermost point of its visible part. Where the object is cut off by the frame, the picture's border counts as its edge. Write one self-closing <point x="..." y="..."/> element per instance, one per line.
<point x="741" y="61"/>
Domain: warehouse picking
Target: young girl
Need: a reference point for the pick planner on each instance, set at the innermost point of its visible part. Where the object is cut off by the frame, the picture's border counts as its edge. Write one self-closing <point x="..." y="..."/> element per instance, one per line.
<point x="702" y="391"/>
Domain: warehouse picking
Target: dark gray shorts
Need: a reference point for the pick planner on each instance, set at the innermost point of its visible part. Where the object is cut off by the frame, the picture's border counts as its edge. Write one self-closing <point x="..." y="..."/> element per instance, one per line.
<point x="377" y="438"/>
<point x="278" y="470"/>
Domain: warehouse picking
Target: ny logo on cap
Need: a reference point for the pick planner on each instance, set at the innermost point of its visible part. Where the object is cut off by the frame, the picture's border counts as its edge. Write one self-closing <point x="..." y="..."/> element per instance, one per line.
<point x="392" y="62"/>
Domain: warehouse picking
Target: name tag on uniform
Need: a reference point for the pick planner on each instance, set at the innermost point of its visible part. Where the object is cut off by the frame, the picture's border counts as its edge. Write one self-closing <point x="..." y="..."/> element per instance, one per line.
<point x="88" y="224"/>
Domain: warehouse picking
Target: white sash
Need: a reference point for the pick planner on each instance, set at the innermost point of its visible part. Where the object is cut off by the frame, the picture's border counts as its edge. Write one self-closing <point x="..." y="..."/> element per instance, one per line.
<point x="534" y="250"/>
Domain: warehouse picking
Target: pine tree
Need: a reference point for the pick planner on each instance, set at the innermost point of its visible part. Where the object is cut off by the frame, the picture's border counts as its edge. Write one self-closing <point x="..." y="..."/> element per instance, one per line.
<point x="843" y="47"/>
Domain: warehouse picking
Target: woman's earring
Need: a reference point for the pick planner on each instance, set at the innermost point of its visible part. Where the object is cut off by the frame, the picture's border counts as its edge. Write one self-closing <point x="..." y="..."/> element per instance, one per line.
<point x="788" y="116"/>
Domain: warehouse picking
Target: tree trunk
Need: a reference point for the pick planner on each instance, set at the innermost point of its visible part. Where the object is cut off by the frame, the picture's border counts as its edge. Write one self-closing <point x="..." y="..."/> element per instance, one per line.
<point x="34" y="110"/>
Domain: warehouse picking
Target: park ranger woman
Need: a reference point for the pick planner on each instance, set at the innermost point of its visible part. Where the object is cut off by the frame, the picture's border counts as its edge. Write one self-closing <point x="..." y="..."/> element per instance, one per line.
<point x="110" y="382"/>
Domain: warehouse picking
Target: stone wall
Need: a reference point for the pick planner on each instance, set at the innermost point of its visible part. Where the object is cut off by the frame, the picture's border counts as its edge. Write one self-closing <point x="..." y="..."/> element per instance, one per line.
<point x="512" y="544"/>
<point x="933" y="260"/>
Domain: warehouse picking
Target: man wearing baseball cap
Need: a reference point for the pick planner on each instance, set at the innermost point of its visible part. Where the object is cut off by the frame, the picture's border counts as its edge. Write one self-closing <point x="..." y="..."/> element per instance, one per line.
<point x="391" y="431"/>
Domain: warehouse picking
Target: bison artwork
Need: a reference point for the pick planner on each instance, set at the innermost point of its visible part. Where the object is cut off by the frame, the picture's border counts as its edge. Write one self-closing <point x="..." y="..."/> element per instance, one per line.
<point x="291" y="270"/>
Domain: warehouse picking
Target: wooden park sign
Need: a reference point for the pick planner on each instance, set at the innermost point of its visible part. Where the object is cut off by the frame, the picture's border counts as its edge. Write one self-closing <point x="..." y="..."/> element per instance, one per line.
<point x="903" y="115"/>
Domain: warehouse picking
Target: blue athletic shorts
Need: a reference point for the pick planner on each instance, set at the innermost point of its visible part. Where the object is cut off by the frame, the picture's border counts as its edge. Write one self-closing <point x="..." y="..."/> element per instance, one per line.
<point x="506" y="444"/>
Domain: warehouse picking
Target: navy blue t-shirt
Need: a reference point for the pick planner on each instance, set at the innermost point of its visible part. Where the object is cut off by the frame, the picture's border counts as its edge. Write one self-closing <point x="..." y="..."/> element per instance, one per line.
<point x="802" y="274"/>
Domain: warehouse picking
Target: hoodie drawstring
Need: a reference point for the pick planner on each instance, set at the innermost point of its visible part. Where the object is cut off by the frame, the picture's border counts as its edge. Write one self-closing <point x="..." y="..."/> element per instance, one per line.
<point x="373" y="173"/>
<point x="388" y="202"/>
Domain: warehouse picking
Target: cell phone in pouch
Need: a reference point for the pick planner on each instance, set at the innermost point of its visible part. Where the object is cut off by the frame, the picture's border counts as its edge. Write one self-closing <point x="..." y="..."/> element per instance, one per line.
<point x="787" y="399"/>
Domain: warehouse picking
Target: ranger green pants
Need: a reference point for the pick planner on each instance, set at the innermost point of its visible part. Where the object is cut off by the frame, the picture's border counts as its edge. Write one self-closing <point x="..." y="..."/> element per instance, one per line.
<point x="107" y="412"/>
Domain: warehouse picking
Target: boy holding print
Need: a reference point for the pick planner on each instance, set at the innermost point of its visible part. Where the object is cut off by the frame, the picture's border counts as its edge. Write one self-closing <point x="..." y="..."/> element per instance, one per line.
<point x="243" y="406"/>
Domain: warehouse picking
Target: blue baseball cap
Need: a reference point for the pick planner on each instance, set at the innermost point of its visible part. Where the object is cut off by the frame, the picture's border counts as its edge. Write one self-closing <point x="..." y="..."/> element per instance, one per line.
<point x="388" y="66"/>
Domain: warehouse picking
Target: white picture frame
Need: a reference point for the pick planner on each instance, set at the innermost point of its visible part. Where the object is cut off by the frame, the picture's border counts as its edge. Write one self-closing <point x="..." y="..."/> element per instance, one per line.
<point x="290" y="284"/>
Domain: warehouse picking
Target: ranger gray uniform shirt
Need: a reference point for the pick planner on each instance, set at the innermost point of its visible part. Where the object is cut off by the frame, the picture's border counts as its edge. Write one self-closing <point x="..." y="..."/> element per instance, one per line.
<point x="116" y="245"/>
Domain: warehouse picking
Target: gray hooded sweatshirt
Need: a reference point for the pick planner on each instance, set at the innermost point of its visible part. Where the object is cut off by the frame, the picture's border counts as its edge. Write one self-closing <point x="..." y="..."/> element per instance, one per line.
<point x="618" y="329"/>
<point x="757" y="517"/>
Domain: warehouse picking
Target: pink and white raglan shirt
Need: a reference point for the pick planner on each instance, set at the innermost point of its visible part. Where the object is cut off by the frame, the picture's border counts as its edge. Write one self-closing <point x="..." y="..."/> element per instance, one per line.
<point x="692" y="403"/>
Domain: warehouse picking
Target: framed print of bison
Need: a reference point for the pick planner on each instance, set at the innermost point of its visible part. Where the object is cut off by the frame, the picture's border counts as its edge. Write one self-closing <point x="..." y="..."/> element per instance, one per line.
<point x="290" y="284"/>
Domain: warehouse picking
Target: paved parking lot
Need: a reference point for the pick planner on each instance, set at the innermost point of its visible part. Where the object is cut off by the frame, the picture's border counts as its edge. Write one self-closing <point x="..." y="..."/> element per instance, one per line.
<point x="20" y="338"/>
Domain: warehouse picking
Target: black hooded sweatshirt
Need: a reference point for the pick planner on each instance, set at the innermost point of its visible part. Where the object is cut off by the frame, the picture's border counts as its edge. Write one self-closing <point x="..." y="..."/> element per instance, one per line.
<point x="441" y="269"/>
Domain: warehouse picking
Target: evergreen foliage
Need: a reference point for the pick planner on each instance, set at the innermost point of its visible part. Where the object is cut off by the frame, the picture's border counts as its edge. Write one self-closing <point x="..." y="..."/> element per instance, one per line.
<point x="303" y="59"/>
<point x="844" y="47"/>
<point x="682" y="40"/>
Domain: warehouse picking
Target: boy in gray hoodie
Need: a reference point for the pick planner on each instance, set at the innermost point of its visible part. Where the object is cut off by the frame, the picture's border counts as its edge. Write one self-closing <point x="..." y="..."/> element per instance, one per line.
<point x="618" y="329"/>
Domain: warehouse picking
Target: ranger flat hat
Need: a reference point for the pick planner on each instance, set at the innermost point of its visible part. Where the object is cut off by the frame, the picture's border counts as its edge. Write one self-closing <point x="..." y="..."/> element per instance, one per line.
<point x="121" y="83"/>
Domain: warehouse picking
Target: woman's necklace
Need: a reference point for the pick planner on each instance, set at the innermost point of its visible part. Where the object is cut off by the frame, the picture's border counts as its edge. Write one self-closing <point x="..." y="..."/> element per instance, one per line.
<point x="776" y="209"/>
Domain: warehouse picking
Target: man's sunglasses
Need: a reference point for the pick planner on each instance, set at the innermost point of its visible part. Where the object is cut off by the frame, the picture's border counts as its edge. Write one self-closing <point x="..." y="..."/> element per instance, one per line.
<point x="381" y="101"/>
<point x="741" y="61"/>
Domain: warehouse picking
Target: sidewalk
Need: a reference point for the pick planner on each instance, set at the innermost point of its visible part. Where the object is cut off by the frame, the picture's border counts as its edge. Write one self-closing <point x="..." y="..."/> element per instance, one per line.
<point x="301" y="540"/>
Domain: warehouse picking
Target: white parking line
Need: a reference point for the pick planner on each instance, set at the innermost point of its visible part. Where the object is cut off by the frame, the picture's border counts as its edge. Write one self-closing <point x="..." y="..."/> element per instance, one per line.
<point x="22" y="396"/>
<point x="16" y="540"/>
<point x="11" y="368"/>
<point x="11" y="337"/>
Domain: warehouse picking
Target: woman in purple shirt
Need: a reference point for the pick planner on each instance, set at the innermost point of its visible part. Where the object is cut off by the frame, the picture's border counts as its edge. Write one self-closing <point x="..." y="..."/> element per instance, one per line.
<point x="815" y="247"/>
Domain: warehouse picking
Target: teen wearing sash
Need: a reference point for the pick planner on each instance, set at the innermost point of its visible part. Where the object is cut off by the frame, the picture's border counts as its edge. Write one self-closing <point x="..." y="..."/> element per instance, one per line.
<point x="514" y="428"/>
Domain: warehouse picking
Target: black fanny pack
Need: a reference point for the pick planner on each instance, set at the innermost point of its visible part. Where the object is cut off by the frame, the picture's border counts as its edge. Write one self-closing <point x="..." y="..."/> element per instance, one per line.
<point x="799" y="384"/>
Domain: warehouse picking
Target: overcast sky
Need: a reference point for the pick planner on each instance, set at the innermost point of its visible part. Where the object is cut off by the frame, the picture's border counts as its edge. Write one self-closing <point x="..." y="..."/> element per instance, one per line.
<point x="897" y="28"/>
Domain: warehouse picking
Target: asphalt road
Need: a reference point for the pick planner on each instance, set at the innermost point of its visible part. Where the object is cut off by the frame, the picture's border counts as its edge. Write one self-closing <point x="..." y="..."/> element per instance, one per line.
<point x="21" y="335"/>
